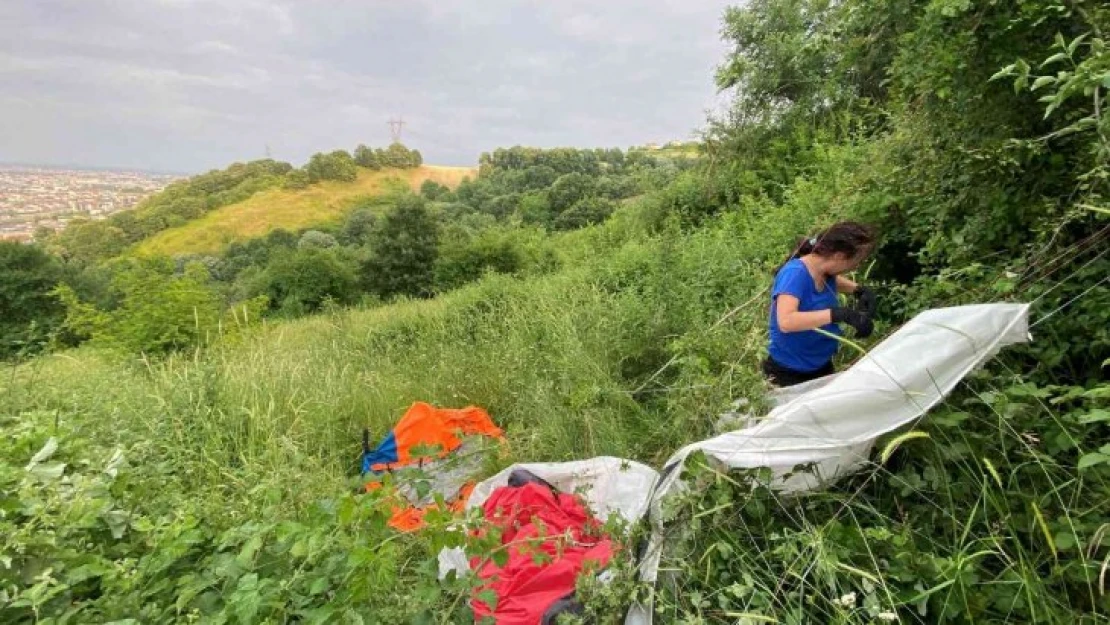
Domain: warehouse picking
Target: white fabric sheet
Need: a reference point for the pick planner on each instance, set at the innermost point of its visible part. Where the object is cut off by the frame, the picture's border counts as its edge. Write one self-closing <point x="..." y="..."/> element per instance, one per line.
<point x="833" y="422"/>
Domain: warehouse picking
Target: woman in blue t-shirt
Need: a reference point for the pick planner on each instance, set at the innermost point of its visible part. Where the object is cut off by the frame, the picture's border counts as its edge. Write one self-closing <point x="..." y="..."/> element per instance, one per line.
<point x="804" y="297"/>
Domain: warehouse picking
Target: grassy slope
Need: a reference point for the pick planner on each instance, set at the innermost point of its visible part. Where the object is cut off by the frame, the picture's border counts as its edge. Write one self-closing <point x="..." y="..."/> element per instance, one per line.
<point x="554" y="358"/>
<point x="290" y="209"/>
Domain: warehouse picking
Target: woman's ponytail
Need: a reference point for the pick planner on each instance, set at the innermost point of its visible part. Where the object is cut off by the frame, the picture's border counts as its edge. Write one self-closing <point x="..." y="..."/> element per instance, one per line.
<point x="846" y="237"/>
<point x="805" y="246"/>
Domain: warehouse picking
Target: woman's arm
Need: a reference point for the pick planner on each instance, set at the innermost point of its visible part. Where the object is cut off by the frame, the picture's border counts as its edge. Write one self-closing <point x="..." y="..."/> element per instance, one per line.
<point x="792" y="320"/>
<point x="844" y="285"/>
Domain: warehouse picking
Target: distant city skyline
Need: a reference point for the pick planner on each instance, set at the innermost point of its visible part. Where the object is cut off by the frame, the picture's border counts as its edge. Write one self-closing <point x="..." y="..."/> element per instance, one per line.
<point x="187" y="86"/>
<point x="93" y="168"/>
<point x="33" y="196"/>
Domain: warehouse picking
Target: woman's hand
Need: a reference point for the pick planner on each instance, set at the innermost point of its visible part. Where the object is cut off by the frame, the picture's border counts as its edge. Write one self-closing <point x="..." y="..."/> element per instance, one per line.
<point x="866" y="299"/>
<point x="858" y="319"/>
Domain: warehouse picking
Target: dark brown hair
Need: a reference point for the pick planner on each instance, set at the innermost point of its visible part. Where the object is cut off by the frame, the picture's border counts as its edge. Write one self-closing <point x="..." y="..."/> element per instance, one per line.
<point x="846" y="237"/>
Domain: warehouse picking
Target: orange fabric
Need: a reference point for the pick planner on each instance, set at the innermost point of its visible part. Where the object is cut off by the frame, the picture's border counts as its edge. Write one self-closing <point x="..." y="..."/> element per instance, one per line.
<point x="427" y="426"/>
<point x="424" y="425"/>
<point x="409" y="518"/>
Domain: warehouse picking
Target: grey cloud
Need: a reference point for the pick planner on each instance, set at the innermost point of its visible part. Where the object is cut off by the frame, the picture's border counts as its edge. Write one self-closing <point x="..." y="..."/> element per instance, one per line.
<point x="190" y="85"/>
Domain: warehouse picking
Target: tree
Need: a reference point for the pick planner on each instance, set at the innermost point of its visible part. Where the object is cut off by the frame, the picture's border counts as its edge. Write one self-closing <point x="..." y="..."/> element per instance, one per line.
<point x="403" y="251"/>
<point x="300" y="282"/>
<point x="502" y="206"/>
<point x="593" y="210"/>
<point x="88" y="241"/>
<point x="535" y="208"/>
<point x="297" y="179"/>
<point x="28" y="310"/>
<point x="314" y="239"/>
<point x="615" y="187"/>
<point x="432" y="190"/>
<point x="337" y="165"/>
<point x="397" y="155"/>
<point x="465" y="259"/>
<point x="568" y="189"/>
<point x="357" y="227"/>
<point x="539" y="177"/>
<point x="366" y="157"/>
<point x="158" y="311"/>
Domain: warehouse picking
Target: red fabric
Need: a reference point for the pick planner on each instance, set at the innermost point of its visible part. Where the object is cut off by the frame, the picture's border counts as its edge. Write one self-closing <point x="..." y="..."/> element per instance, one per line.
<point x="533" y="519"/>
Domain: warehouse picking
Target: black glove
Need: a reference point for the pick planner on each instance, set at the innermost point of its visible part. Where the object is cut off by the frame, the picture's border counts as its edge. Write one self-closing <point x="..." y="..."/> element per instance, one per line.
<point x="866" y="300"/>
<point x="858" y="319"/>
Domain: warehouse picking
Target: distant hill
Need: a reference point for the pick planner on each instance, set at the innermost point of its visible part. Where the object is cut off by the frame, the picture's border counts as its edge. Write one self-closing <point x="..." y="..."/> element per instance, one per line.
<point x="291" y="209"/>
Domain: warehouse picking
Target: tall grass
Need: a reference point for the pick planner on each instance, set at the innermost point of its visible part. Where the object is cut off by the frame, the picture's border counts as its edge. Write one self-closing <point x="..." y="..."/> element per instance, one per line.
<point x="629" y="352"/>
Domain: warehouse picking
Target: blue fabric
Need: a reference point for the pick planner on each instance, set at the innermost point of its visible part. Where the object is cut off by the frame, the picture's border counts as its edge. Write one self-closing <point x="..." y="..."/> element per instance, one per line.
<point x="384" y="454"/>
<point x="809" y="350"/>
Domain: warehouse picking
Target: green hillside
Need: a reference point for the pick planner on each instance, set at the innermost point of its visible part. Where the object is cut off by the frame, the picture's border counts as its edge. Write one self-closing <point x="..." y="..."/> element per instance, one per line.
<point x="181" y="436"/>
<point x="321" y="204"/>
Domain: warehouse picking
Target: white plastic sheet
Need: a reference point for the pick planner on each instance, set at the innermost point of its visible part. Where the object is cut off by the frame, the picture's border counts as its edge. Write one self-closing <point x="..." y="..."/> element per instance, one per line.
<point x="605" y="483"/>
<point x="832" y="423"/>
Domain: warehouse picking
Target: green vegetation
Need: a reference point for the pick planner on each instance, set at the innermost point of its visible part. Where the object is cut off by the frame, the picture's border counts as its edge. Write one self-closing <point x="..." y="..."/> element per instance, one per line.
<point x="316" y="205"/>
<point x="28" y="313"/>
<point x="186" y="201"/>
<point x="205" y="473"/>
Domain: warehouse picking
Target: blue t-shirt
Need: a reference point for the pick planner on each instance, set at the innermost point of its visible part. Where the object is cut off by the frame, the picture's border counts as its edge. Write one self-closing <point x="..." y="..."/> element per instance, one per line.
<point x="809" y="350"/>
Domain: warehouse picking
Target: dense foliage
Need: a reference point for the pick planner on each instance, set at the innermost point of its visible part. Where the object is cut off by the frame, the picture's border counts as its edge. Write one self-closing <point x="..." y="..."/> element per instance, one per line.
<point x="387" y="246"/>
<point x="28" y="311"/>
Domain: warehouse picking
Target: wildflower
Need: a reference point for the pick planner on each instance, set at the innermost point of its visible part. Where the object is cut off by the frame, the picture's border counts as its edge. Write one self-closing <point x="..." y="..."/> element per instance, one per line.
<point x="847" y="601"/>
<point x="889" y="617"/>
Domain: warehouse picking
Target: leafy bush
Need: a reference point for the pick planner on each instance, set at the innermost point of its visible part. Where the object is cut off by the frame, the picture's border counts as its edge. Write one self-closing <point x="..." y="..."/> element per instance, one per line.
<point x="301" y="282"/>
<point x="403" y="251"/>
<point x="157" y="312"/>
<point x="29" y="312"/>
<point x="314" y="239"/>
<point x="337" y="165"/>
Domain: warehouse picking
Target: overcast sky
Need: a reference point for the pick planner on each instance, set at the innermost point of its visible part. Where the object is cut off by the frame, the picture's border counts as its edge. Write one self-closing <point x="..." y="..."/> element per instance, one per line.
<point x="189" y="85"/>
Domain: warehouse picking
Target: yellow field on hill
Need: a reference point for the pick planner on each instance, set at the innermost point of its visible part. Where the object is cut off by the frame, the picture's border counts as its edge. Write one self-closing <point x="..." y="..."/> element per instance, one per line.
<point x="269" y="210"/>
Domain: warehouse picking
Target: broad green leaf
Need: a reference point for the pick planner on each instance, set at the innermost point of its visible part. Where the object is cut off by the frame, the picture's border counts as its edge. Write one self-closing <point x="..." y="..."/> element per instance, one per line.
<point x="1042" y="81"/>
<point x="116" y="521"/>
<point x="44" y="454"/>
<point x="246" y="554"/>
<point x="1075" y="43"/>
<point x="1055" y="58"/>
<point x="1002" y="73"/>
<point x="1092" y="459"/>
<point x="319" y="585"/>
<point x="1098" y="415"/>
<point x="488" y="597"/>
<point x="49" y="471"/>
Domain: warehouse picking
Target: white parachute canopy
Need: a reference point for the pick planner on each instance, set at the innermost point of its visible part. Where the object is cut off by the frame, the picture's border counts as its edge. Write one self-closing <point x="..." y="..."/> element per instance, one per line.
<point x="831" y="424"/>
